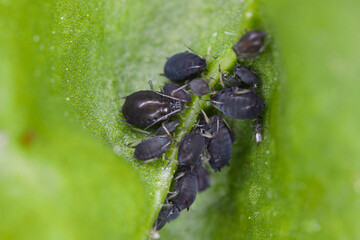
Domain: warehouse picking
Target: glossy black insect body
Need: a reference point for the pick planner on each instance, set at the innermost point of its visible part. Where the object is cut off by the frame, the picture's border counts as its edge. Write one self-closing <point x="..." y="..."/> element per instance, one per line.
<point x="190" y="150"/>
<point x="152" y="148"/>
<point x="146" y="108"/>
<point x="175" y="90"/>
<point x="238" y="103"/>
<point x="246" y="75"/>
<point x="167" y="128"/>
<point x="203" y="178"/>
<point x="183" y="66"/>
<point x="249" y="45"/>
<point x="199" y="87"/>
<point x="186" y="189"/>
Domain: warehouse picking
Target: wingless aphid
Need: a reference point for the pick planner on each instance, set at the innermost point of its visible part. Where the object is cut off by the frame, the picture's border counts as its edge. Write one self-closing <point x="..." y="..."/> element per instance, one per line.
<point x="246" y="75"/>
<point x="249" y="45"/>
<point x="166" y="214"/>
<point x="183" y="66"/>
<point x="147" y="108"/>
<point x="152" y="148"/>
<point x="185" y="190"/>
<point x="238" y="103"/>
<point x="220" y="146"/>
<point x="190" y="150"/>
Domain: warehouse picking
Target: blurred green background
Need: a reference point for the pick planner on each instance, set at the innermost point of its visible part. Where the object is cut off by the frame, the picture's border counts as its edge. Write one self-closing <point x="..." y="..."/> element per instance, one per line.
<point x="65" y="172"/>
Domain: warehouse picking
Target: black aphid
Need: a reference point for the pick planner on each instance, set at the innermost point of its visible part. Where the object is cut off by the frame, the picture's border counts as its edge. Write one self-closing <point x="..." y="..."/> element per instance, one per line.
<point x="185" y="190"/>
<point x="175" y="90"/>
<point x="249" y="45"/>
<point x="167" y="128"/>
<point x="152" y="148"/>
<point x="238" y="103"/>
<point x="203" y="178"/>
<point x="199" y="87"/>
<point x="166" y="214"/>
<point x="220" y="146"/>
<point x="246" y="75"/>
<point x="146" y="108"/>
<point x="183" y="66"/>
<point x="191" y="149"/>
<point x="220" y="149"/>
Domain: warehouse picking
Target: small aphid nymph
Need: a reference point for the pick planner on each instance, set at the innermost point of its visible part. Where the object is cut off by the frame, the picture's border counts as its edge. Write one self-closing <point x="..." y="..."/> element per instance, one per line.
<point x="249" y="45"/>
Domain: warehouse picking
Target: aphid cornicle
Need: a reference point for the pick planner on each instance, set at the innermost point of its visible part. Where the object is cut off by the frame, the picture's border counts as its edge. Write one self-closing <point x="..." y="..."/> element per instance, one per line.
<point x="152" y="148"/>
<point x="146" y="108"/>
<point x="249" y="45"/>
<point x="183" y="66"/>
<point x="186" y="189"/>
<point x="238" y="103"/>
<point x="175" y="90"/>
<point x="246" y="75"/>
<point x="190" y="150"/>
<point x="199" y="87"/>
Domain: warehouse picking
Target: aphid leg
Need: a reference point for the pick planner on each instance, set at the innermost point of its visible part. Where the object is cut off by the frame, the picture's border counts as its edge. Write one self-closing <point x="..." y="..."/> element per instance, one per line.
<point x="205" y="116"/>
<point x="179" y="176"/>
<point x="147" y="161"/>
<point x="138" y="129"/>
<point x="130" y="144"/>
<point x="121" y="120"/>
<point x="164" y="95"/>
<point x="206" y="156"/>
<point x="178" y="89"/>
<point x="166" y="130"/>
<point x="205" y="134"/>
<point x="173" y="195"/>
<point x="221" y="78"/>
<point x="163" y="118"/>
<point x="241" y="92"/>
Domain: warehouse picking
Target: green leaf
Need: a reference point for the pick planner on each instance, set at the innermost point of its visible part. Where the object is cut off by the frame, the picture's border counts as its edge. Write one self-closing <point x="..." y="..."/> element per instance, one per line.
<point x="65" y="64"/>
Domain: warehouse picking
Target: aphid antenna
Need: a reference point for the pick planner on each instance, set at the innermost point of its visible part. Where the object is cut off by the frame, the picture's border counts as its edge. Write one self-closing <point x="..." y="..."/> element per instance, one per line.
<point x="187" y="107"/>
<point x="192" y="50"/>
<point x="151" y="85"/>
<point x="167" y="204"/>
<point x="205" y="116"/>
<point x="163" y="118"/>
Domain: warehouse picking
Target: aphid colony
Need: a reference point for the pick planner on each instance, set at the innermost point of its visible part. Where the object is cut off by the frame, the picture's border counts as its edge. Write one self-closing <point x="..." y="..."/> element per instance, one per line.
<point x="211" y="138"/>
